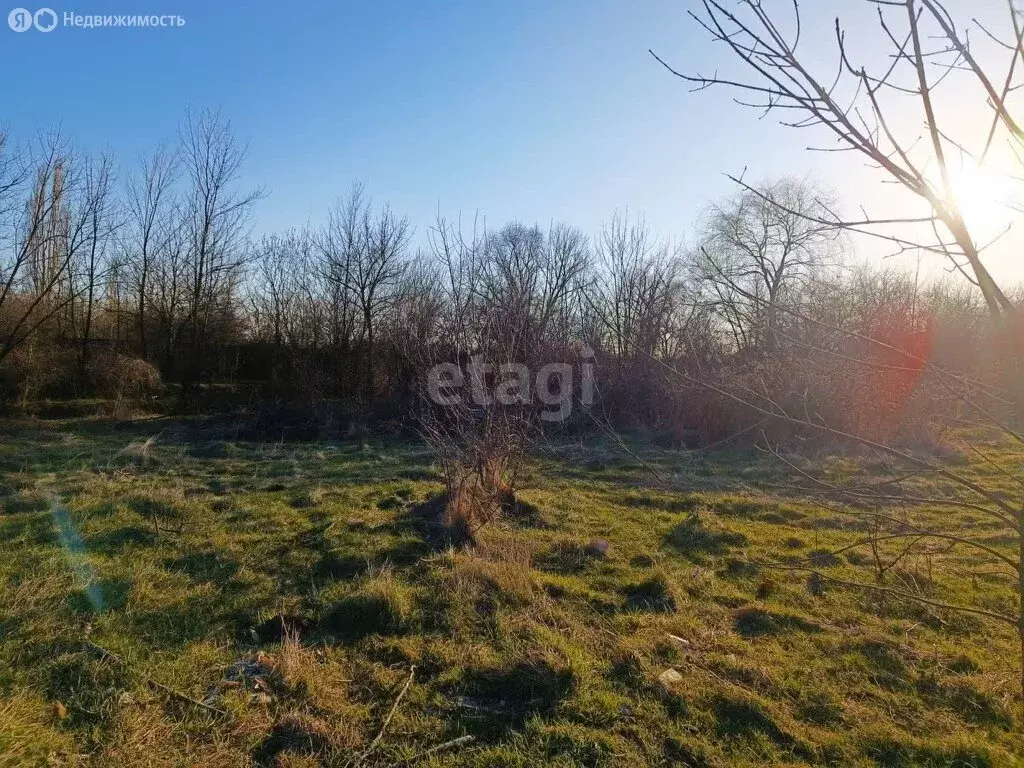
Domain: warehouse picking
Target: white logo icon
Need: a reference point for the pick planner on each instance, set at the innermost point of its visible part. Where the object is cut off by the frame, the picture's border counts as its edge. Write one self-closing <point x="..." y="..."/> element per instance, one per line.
<point x="45" y="19"/>
<point x="20" y="20"/>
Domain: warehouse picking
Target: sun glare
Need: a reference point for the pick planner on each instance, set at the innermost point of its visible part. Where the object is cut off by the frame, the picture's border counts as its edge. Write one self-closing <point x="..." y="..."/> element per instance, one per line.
<point x="984" y="197"/>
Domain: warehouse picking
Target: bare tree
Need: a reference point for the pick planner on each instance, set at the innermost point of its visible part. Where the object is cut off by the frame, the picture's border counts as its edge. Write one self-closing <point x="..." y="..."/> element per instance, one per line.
<point x="217" y="215"/>
<point x="758" y="251"/>
<point x="149" y="201"/>
<point x="376" y="276"/>
<point x="168" y="281"/>
<point x="853" y="104"/>
<point x="366" y="256"/>
<point x="46" y="239"/>
<point x="458" y="256"/>
<point x="865" y="109"/>
<point x="340" y="243"/>
<point x="287" y="307"/>
<point x="419" y="306"/>
<point x="101" y="225"/>
<point x="638" y="287"/>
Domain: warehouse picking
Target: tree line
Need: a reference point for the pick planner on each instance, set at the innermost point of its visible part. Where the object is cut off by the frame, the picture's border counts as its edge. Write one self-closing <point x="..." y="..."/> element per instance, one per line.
<point x="118" y="281"/>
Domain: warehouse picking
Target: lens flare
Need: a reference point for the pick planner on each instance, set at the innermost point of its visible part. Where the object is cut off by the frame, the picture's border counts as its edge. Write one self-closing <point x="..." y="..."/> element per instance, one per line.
<point x="74" y="549"/>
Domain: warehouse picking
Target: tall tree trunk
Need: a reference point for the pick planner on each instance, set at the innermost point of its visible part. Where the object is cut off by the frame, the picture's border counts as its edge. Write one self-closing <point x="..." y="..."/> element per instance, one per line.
<point x="368" y="319"/>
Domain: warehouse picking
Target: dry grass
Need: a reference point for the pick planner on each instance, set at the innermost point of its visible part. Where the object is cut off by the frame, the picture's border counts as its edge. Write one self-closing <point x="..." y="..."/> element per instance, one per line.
<point x="542" y="648"/>
<point x="497" y="569"/>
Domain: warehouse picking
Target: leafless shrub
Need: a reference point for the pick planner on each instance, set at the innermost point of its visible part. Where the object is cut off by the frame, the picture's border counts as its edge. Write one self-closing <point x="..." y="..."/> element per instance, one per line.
<point x="495" y="293"/>
<point x="481" y="452"/>
<point x="36" y="369"/>
<point x="118" y="376"/>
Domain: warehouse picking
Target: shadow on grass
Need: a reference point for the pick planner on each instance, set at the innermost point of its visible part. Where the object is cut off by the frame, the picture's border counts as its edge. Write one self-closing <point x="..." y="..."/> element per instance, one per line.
<point x="101" y="596"/>
<point x="163" y="515"/>
<point x="695" y="539"/>
<point x="423" y="522"/>
<point x="195" y="618"/>
<point x="567" y="558"/>
<point x="206" y="566"/>
<point x="112" y="542"/>
<point x="752" y="621"/>
<point x="497" y="700"/>
<point x="337" y="565"/>
<point x="893" y="752"/>
<point x="684" y="504"/>
<point x="295" y="737"/>
<point x="654" y="593"/>
<point x="15" y="504"/>
<point x="89" y="687"/>
<point x="738" y="716"/>
<point x="970" y="705"/>
<point x="381" y="605"/>
<point x="27" y="530"/>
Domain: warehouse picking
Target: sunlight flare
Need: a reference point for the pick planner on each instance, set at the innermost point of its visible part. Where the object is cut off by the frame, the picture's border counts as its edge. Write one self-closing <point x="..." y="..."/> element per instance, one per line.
<point x="985" y="198"/>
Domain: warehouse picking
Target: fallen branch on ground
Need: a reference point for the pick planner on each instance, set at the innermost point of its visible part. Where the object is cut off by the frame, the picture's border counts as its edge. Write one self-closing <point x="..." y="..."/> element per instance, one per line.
<point x="440" y="748"/>
<point x="107" y="654"/>
<point x="387" y="720"/>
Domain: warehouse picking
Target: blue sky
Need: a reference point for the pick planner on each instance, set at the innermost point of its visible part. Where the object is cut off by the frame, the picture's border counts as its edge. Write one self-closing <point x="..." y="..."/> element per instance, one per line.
<point x="524" y="110"/>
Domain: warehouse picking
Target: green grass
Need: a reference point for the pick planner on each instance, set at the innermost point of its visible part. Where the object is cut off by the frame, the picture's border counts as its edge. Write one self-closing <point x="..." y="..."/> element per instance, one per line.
<point x="293" y="586"/>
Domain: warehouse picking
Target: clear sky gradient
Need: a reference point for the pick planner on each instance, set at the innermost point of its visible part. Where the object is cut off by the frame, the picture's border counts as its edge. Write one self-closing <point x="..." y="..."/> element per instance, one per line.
<point x="531" y="110"/>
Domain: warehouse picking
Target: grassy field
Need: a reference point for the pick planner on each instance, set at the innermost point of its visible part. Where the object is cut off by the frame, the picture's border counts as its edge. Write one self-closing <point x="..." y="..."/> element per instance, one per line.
<point x="149" y="569"/>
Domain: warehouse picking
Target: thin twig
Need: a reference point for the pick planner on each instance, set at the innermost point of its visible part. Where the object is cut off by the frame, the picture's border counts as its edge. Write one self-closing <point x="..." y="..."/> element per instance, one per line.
<point x="387" y="720"/>
<point x="440" y="747"/>
<point x="156" y="684"/>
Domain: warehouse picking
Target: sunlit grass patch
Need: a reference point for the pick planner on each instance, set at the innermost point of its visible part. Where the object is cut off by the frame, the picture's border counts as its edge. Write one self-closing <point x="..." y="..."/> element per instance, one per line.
<point x="546" y="641"/>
